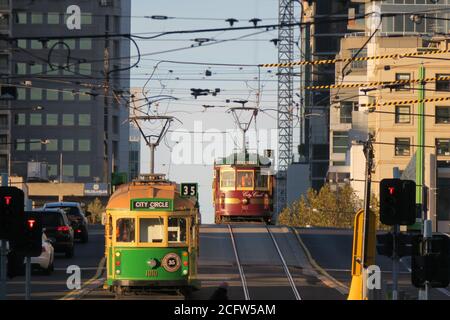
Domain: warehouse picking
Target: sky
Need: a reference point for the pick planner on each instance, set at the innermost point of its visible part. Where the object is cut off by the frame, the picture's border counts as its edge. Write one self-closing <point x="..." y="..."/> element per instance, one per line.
<point x="188" y="156"/>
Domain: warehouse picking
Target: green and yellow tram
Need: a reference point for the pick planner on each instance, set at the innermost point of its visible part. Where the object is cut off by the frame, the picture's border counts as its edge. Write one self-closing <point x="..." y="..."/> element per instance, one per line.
<point x="151" y="237"/>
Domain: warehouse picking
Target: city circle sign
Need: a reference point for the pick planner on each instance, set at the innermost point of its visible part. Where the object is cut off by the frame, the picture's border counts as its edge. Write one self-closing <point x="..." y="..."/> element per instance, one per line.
<point x="151" y="204"/>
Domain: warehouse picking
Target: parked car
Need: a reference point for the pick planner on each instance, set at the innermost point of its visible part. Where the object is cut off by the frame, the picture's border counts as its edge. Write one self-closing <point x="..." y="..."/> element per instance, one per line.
<point x="58" y="230"/>
<point x="76" y="217"/>
<point x="45" y="261"/>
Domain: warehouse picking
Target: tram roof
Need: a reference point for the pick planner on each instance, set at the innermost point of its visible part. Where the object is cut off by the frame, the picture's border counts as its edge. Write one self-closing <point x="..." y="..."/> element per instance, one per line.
<point x="247" y="159"/>
<point x="121" y="198"/>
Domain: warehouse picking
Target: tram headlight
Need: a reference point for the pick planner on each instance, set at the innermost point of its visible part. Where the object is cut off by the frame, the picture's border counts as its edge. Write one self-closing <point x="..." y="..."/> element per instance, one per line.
<point x="245" y="201"/>
<point x="185" y="272"/>
<point x="117" y="254"/>
<point x="152" y="263"/>
<point x="117" y="271"/>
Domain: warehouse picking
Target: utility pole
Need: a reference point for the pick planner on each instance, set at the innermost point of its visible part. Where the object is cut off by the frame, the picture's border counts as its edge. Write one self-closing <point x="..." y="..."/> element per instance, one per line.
<point x="3" y="252"/>
<point x="106" y="69"/>
<point x="369" y="154"/>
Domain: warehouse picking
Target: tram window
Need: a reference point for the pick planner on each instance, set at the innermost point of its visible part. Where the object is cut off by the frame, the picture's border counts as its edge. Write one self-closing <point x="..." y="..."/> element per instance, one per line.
<point x="177" y="230"/>
<point x="227" y="179"/>
<point x="125" y="230"/>
<point x="245" y="179"/>
<point x="151" y="230"/>
<point x="261" y="180"/>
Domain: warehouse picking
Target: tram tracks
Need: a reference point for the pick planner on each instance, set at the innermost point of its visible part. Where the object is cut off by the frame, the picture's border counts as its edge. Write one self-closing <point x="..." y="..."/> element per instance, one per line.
<point x="284" y="265"/>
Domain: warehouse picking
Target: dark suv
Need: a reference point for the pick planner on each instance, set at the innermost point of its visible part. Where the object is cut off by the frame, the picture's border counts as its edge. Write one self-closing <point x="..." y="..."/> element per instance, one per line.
<point x="57" y="228"/>
<point x="76" y="217"/>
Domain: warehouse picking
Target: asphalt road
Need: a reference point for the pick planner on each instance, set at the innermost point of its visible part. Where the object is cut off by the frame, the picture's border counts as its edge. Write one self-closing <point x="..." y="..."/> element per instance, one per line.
<point x="318" y="260"/>
<point x="54" y="286"/>
<point x="331" y="249"/>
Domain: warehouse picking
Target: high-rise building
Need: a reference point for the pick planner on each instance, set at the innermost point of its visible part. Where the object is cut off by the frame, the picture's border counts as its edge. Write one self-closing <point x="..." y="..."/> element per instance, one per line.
<point x="71" y="111"/>
<point x="321" y="41"/>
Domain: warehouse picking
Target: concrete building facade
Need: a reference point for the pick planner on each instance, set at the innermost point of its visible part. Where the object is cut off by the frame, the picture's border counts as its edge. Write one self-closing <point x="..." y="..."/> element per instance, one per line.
<point x="62" y="100"/>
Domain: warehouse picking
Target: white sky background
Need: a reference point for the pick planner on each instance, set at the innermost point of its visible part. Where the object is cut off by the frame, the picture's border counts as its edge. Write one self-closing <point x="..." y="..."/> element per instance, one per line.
<point x="254" y="50"/>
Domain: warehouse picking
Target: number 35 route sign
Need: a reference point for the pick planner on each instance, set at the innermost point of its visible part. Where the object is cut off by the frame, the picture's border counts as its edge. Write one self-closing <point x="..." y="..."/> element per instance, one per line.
<point x="189" y="190"/>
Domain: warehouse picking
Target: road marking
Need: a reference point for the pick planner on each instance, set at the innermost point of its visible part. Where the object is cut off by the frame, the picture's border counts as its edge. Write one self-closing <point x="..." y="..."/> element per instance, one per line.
<point x="339" y="286"/>
<point x="72" y="295"/>
<point x="285" y="267"/>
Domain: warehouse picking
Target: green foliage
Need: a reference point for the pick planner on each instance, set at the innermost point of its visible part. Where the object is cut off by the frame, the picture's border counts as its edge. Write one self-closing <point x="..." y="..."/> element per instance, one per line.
<point x="332" y="206"/>
<point x="96" y="208"/>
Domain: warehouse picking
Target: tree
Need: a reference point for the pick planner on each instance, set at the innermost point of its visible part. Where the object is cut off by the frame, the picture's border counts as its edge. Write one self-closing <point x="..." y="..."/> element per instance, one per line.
<point x="96" y="208"/>
<point x="332" y="206"/>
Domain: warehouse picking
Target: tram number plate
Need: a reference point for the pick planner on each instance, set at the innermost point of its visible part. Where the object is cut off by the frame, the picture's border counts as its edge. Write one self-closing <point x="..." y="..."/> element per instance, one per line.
<point x="151" y="273"/>
<point x="189" y="189"/>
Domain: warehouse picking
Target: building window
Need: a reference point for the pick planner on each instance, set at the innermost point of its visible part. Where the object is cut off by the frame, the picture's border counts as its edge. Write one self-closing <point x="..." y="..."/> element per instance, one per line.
<point x="86" y="18"/>
<point x="68" y="95"/>
<point x="442" y="114"/>
<point x="340" y="142"/>
<point x="20" y="144"/>
<point x="346" y="112"/>
<point x="69" y="42"/>
<point x="52" y="170"/>
<point x="21" y="94"/>
<point x="52" y="119"/>
<point x="442" y="85"/>
<point x="115" y="123"/>
<point x="402" y="146"/>
<point x="68" y="120"/>
<point x="36" y="69"/>
<point x="36" y="44"/>
<point x="84" y="120"/>
<point x="22" y="43"/>
<point x="402" y="114"/>
<point x="53" y="18"/>
<point x="68" y="170"/>
<point x="403" y="77"/>
<point x="35" y="145"/>
<point x="68" y="145"/>
<point x="21" y="18"/>
<point x="4" y="121"/>
<point x="443" y="147"/>
<point x="21" y="68"/>
<point x="84" y="170"/>
<point x="85" y="69"/>
<point x="52" y="95"/>
<point x="20" y="119"/>
<point x="36" y="119"/>
<point x="35" y="94"/>
<point x="85" y="44"/>
<point x="52" y="145"/>
<point x="84" y="145"/>
<point x="37" y="18"/>
<point x="359" y="64"/>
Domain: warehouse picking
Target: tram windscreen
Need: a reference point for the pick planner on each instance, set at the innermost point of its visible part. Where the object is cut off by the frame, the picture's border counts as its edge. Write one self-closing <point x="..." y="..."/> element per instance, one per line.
<point x="125" y="230"/>
<point x="177" y="230"/>
<point x="261" y="180"/>
<point x="151" y="230"/>
<point x="245" y="179"/>
<point x="227" y="179"/>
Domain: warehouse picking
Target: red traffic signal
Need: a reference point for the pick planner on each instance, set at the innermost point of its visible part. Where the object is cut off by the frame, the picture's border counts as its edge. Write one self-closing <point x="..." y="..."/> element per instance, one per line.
<point x="11" y="211"/>
<point x="397" y="202"/>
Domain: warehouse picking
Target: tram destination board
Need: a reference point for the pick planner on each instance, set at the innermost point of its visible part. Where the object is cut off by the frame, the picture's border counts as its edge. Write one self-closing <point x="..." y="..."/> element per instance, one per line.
<point x="152" y="204"/>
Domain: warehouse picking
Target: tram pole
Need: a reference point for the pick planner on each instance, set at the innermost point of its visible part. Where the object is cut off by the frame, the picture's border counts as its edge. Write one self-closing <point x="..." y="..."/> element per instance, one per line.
<point x="152" y="157"/>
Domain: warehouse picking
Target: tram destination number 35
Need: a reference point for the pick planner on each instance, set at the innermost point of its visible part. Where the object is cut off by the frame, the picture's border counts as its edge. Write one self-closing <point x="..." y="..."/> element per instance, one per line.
<point x="189" y="189"/>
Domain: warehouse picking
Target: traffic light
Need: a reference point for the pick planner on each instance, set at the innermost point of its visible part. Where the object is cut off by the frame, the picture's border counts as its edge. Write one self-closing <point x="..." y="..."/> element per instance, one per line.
<point x="397" y="202"/>
<point x="29" y="240"/>
<point x="11" y="211"/>
<point x="385" y="244"/>
<point x="430" y="261"/>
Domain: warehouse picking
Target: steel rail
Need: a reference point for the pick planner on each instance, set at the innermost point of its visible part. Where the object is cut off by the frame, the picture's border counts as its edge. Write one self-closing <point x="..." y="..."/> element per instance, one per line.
<point x="241" y="271"/>
<point x="285" y="267"/>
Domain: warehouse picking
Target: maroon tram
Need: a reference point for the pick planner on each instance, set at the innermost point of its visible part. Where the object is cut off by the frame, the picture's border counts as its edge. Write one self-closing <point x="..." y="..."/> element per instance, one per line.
<point x="243" y="188"/>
